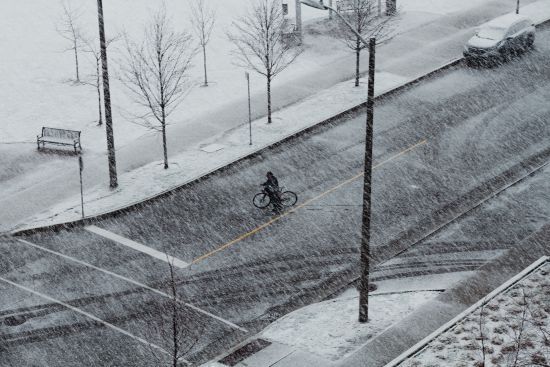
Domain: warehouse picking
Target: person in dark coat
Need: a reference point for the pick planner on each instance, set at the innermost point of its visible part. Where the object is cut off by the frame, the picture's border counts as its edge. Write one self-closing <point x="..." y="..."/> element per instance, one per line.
<point x="271" y="187"/>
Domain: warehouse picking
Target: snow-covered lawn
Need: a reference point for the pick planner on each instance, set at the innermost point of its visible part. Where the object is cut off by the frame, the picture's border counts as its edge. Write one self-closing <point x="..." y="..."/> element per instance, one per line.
<point x="37" y="74"/>
<point x="511" y="329"/>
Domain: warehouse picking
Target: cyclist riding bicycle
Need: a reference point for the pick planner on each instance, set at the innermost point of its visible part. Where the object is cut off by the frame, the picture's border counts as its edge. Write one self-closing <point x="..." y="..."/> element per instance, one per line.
<point x="271" y="187"/>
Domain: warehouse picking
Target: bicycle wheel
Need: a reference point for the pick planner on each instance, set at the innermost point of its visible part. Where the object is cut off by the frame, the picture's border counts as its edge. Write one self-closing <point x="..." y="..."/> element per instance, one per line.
<point x="261" y="200"/>
<point x="288" y="198"/>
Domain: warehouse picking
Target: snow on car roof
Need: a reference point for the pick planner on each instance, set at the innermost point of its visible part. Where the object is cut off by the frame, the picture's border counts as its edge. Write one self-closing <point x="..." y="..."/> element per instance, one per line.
<point x="506" y="20"/>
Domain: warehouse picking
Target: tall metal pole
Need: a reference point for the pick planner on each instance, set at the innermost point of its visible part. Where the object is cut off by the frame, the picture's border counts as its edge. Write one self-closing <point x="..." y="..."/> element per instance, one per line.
<point x="391" y="7"/>
<point x="80" y="169"/>
<point x="249" y="108"/>
<point x="107" y="99"/>
<point x="299" y="20"/>
<point x="517" y="7"/>
<point x="367" y="180"/>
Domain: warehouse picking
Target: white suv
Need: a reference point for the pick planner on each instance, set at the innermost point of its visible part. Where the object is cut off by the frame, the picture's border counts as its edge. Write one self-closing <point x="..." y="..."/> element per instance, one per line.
<point x="500" y="38"/>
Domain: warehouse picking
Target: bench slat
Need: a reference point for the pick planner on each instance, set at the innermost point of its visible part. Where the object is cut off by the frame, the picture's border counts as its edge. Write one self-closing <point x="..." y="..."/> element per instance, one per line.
<point x="60" y="137"/>
<point x="60" y="133"/>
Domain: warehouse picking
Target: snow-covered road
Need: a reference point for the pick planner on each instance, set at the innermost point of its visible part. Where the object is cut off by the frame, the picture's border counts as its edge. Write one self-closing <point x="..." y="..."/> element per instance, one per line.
<point x="435" y="144"/>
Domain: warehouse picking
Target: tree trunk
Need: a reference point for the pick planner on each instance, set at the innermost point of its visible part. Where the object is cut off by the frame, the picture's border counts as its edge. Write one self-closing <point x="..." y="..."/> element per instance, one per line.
<point x="165" y="149"/>
<point x="175" y="334"/>
<point x="76" y="62"/>
<point x="174" y="320"/>
<point x="269" y="98"/>
<point x="357" y="61"/>
<point x="204" y="59"/>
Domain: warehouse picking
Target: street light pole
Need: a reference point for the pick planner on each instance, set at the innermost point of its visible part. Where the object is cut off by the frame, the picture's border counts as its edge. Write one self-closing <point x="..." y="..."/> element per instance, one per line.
<point x="80" y="169"/>
<point x="391" y="7"/>
<point x="367" y="185"/>
<point x="517" y="7"/>
<point x="249" y="108"/>
<point x="367" y="178"/>
<point x="299" y="20"/>
<point x="107" y="99"/>
<point x="320" y="5"/>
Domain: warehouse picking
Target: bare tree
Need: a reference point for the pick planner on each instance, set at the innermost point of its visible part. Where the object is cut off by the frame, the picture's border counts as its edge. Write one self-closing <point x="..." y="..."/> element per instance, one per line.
<point x="178" y="327"/>
<point x="203" y="19"/>
<point x="69" y="28"/>
<point x="363" y="16"/>
<point x="180" y="344"/>
<point x="482" y="336"/>
<point x="156" y="73"/>
<point x="259" y="40"/>
<point x="92" y="47"/>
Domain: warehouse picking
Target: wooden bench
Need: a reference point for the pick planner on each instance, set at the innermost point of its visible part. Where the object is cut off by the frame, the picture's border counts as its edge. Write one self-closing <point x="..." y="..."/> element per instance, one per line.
<point x="59" y="137"/>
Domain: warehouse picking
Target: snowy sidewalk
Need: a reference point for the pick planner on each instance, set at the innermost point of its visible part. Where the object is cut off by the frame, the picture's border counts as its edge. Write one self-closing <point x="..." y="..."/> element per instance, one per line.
<point x="328" y="332"/>
<point x="421" y="48"/>
<point x="402" y="314"/>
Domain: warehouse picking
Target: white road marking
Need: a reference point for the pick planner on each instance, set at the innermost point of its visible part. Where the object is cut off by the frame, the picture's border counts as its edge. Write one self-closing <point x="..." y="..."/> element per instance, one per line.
<point x="166" y="295"/>
<point x="137" y="246"/>
<point x="86" y="314"/>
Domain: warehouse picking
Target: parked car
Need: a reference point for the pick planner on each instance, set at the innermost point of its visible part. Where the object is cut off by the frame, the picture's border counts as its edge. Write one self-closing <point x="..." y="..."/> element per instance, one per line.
<point x="499" y="39"/>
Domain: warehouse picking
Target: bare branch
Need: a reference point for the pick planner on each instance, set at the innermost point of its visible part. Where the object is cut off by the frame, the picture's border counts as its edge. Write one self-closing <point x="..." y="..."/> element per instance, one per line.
<point x="203" y="19"/>
<point x="156" y="72"/>
<point x="363" y="16"/>
<point x="259" y="42"/>
<point x="68" y="27"/>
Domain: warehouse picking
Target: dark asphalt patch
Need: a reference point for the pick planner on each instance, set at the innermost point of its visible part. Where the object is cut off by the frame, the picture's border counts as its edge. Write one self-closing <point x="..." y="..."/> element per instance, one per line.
<point x="244" y="352"/>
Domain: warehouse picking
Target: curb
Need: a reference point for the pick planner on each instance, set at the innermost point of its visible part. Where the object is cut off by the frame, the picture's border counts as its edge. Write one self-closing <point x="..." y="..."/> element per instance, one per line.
<point x="421" y="344"/>
<point x="222" y="168"/>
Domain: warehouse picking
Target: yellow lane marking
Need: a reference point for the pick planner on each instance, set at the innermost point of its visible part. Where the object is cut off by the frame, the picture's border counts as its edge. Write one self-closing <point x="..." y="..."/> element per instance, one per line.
<point x="305" y="203"/>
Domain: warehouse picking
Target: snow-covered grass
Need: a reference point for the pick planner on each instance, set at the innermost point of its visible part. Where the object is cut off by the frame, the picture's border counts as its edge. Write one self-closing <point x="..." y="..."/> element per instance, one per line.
<point x="330" y="329"/>
<point x="510" y="329"/>
<point x="37" y="74"/>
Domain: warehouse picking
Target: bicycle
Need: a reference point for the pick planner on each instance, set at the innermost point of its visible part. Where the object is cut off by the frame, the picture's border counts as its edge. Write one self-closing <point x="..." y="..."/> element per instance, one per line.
<point x="287" y="199"/>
